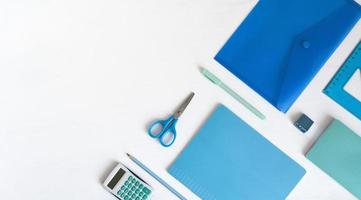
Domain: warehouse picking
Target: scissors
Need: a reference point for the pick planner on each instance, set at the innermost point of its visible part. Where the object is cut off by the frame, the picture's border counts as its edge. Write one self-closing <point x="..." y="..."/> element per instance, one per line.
<point x="164" y="130"/>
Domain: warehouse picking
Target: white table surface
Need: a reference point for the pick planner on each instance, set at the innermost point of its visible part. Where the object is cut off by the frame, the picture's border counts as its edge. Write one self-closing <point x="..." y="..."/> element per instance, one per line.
<point x="81" y="79"/>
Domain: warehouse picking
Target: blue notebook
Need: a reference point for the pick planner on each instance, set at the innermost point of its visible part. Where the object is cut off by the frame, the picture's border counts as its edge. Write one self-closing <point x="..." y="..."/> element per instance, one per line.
<point x="338" y="153"/>
<point x="282" y="44"/>
<point x="228" y="159"/>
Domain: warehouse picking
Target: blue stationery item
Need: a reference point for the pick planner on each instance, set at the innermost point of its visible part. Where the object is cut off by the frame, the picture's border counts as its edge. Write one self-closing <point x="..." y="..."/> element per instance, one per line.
<point x="232" y="93"/>
<point x="161" y="181"/>
<point x="228" y="160"/>
<point x="335" y="89"/>
<point x="164" y="130"/>
<point x="303" y="123"/>
<point x="282" y="44"/>
<point x="337" y="152"/>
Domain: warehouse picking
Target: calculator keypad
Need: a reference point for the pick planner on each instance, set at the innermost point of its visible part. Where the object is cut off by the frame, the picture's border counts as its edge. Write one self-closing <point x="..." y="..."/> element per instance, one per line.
<point x="132" y="189"/>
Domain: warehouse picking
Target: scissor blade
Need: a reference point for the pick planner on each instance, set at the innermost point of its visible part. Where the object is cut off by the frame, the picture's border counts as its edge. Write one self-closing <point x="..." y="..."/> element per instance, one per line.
<point x="183" y="106"/>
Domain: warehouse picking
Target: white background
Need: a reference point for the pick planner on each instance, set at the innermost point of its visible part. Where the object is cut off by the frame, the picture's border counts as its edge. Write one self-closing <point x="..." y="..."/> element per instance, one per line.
<point x="80" y="80"/>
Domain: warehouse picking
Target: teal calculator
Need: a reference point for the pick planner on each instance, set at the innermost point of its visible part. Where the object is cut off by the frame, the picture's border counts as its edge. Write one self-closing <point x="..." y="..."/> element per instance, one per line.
<point x="126" y="185"/>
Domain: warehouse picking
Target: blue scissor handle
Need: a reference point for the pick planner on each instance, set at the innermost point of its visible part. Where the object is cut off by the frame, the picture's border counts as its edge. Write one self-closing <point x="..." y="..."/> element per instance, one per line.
<point x="163" y="130"/>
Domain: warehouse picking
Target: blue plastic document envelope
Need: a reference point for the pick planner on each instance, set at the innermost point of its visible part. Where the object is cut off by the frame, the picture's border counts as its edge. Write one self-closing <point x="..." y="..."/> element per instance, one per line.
<point x="282" y="44"/>
<point x="338" y="153"/>
<point x="229" y="160"/>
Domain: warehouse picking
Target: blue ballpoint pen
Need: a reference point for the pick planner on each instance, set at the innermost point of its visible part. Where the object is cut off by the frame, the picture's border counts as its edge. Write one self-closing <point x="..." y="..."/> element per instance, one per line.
<point x="136" y="161"/>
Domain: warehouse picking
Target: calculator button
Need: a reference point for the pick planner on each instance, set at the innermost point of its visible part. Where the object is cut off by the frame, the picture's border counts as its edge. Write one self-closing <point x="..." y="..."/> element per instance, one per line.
<point x="137" y="183"/>
<point x="122" y="195"/>
<point x="133" y="188"/>
<point x="126" y="190"/>
<point x="126" y="182"/>
<point x="141" y="186"/>
<point x="146" y="190"/>
<point x="130" y="178"/>
<point x="126" y="198"/>
<point x="133" y="196"/>
<point x="133" y="180"/>
<point x="138" y="198"/>
<point x="130" y="193"/>
<point x="137" y="191"/>
<point x="119" y="192"/>
<point x="145" y="196"/>
<point x="123" y="187"/>
<point x="141" y="193"/>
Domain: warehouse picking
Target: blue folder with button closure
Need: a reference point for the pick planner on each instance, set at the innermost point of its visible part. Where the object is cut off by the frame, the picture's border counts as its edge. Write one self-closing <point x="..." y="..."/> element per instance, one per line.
<point x="282" y="44"/>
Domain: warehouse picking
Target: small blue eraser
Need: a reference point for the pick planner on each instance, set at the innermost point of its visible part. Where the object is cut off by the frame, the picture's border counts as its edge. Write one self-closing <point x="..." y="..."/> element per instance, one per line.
<point x="303" y="123"/>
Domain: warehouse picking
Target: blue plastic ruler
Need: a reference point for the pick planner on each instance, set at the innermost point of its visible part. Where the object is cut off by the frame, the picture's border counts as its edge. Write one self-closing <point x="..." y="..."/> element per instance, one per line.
<point x="335" y="88"/>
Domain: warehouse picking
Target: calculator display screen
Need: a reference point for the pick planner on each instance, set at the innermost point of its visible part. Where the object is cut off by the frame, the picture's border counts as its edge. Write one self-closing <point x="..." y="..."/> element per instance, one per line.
<point x="116" y="178"/>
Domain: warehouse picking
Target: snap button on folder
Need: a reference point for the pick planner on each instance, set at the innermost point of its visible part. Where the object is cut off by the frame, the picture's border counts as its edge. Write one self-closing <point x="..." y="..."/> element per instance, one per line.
<point x="306" y="44"/>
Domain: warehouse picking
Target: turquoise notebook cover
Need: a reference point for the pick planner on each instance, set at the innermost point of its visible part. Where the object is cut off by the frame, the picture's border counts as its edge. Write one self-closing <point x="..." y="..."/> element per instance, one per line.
<point x="338" y="153"/>
<point x="228" y="159"/>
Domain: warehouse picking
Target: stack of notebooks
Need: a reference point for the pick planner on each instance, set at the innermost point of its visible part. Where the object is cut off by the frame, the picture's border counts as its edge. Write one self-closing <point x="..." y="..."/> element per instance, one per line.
<point x="228" y="159"/>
